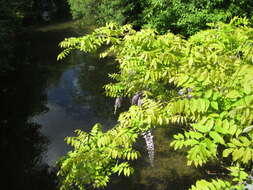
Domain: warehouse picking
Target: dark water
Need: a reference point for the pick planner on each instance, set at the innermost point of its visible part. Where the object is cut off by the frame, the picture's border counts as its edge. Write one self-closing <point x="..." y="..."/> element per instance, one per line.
<point x="71" y="107"/>
<point x="47" y="100"/>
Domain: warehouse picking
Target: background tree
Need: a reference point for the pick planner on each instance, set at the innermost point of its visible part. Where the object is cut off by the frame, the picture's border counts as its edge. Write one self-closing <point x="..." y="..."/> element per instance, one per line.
<point x="179" y="16"/>
<point x="103" y="11"/>
<point x="188" y="17"/>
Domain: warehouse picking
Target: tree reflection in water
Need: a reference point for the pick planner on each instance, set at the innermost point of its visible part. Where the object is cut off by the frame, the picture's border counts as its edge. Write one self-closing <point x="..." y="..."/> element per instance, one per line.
<point x="93" y="75"/>
<point x="22" y="145"/>
<point x="169" y="171"/>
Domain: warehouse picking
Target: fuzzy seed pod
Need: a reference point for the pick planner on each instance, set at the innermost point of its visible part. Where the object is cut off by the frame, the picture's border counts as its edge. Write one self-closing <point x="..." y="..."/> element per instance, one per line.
<point x="136" y="98"/>
<point x="117" y="104"/>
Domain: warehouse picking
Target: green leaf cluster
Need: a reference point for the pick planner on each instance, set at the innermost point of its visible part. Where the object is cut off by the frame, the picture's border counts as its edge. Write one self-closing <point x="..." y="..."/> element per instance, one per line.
<point x="96" y="156"/>
<point x="203" y="85"/>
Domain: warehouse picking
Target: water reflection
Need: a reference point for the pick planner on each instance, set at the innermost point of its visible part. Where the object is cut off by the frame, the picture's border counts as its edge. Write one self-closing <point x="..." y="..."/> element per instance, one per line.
<point x="23" y="96"/>
<point x="22" y="144"/>
<point x="169" y="172"/>
<point x="56" y="125"/>
<point x="92" y="77"/>
<point x="76" y="101"/>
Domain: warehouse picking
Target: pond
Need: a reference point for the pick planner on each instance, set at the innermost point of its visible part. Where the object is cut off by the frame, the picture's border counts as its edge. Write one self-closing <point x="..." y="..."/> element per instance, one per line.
<point x="47" y="100"/>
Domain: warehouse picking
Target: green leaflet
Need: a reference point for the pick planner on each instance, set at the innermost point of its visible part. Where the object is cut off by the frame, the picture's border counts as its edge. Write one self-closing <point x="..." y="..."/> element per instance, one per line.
<point x="221" y="130"/>
<point x="201" y="128"/>
<point x="217" y="137"/>
<point x="233" y="94"/>
<point x="213" y="185"/>
<point x="214" y="105"/>
<point x="227" y="152"/>
<point x="205" y="127"/>
<point x="208" y="93"/>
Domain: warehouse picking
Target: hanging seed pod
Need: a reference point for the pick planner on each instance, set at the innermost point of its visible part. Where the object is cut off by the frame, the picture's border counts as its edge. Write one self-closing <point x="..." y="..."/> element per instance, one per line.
<point x="150" y="146"/>
<point x="136" y="98"/>
<point x="139" y="102"/>
<point x="117" y="104"/>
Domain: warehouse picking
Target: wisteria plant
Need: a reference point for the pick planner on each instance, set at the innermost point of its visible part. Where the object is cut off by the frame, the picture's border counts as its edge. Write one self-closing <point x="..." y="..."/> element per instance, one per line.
<point x="203" y="84"/>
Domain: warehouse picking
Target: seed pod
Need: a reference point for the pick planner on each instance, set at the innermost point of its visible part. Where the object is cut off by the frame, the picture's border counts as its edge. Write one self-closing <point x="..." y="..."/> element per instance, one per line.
<point x="181" y="92"/>
<point x="189" y="96"/>
<point x="150" y="146"/>
<point x="139" y="101"/>
<point x="189" y="89"/>
<point x="136" y="98"/>
<point x="117" y="104"/>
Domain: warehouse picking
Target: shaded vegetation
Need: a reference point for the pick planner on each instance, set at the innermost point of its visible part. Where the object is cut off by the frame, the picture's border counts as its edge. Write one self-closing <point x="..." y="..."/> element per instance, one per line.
<point x="14" y="17"/>
<point x="179" y="16"/>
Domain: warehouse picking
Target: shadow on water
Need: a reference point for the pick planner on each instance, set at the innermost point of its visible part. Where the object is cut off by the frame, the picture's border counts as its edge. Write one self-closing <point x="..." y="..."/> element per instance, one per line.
<point x="47" y="100"/>
<point x="22" y="144"/>
<point x="23" y="95"/>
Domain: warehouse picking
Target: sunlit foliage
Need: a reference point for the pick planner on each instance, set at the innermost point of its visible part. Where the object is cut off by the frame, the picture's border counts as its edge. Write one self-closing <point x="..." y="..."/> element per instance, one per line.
<point x="203" y="84"/>
<point x="188" y="17"/>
